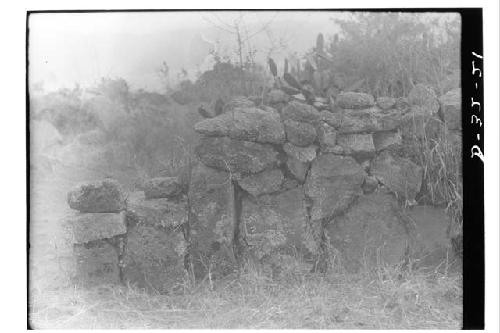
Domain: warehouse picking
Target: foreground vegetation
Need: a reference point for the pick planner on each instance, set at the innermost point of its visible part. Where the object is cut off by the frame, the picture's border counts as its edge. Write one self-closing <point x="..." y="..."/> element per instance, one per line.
<point x="295" y="300"/>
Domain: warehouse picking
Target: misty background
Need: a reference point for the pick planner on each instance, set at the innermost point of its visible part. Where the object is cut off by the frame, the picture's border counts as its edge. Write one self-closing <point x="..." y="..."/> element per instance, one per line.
<point x="66" y="49"/>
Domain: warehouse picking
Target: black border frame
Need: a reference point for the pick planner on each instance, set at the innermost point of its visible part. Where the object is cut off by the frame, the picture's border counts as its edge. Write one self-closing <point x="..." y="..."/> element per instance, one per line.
<point x="473" y="168"/>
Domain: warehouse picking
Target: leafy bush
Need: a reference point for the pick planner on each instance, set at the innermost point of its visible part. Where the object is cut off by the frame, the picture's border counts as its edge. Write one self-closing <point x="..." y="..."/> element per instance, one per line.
<point x="394" y="51"/>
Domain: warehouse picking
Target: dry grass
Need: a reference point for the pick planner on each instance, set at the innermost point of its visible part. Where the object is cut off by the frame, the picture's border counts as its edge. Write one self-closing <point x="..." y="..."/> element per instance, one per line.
<point x="294" y="300"/>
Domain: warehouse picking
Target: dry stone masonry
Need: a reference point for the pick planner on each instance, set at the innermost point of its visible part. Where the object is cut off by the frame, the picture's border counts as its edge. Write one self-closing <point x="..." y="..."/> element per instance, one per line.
<point x="274" y="181"/>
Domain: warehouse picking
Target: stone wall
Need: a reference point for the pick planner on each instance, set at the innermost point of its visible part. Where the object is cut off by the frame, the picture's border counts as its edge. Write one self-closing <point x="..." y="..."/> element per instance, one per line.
<point x="282" y="179"/>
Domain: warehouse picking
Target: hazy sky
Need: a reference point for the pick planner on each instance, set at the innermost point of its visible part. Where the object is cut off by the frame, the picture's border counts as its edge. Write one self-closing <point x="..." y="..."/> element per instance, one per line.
<point x="83" y="47"/>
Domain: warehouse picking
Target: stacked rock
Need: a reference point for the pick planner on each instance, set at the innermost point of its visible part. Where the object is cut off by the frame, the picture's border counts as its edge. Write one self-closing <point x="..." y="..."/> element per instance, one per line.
<point x="97" y="230"/>
<point x="289" y="175"/>
<point x="156" y="244"/>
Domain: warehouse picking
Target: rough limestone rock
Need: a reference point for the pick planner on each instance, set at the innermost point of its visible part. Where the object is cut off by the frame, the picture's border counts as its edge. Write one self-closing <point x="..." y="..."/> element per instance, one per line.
<point x="368" y="120"/>
<point x="303" y="154"/>
<point x="236" y="156"/>
<point x="386" y="103"/>
<point x="156" y="246"/>
<point x="276" y="222"/>
<point x="96" y="263"/>
<point x="211" y="195"/>
<point x="400" y="175"/>
<point x="333" y="183"/>
<point x="370" y="234"/>
<point x="327" y="135"/>
<point x="277" y="96"/>
<point x="104" y="196"/>
<point x="162" y="187"/>
<point x="267" y="181"/>
<point x="158" y="212"/>
<point x="249" y="124"/>
<point x="354" y="100"/>
<point x="361" y="145"/>
<point x="297" y="168"/>
<point x="332" y="119"/>
<point x="387" y="140"/>
<point x="431" y="239"/>
<point x="419" y="123"/>
<point x="301" y="112"/>
<point x="451" y="108"/>
<point x="300" y="134"/>
<point x="94" y="226"/>
<point x="425" y="97"/>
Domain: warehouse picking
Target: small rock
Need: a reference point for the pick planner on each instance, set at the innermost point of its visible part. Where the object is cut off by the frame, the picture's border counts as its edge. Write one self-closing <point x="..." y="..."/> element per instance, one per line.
<point x="361" y="145"/>
<point x="301" y="112"/>
<point x="162" y="187"/>
<point x="104" y="196"/>
<point x="327" y="135"/>
<point x="303" y="154"/>
<point x="354" y="100"/>
<point x="297" y="168"/>
<point x="386" y="103"/>
<point x="387" y="140"/>
<point x="159" y="212"/>
<point x="370" y="184"/>
<point x="332" y="119"/>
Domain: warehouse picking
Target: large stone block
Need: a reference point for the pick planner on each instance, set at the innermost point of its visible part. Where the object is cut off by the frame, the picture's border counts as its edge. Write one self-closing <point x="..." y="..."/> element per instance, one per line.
<point x="96" y="263"/>
<point x="369" y="120"/>
<point x="236" y="156"/>
<point x="370" y="234"/>
<point x="154" y="256"/>
<point x="333" y="183"/>
<point x="431" y="241"/>
<point x="400" y="175"/>
<point x="249" y="124"/>
<point x="275" y="223"/>
<point x="267" y="181"/>
<point x="94" y="226"/>
<point x="299" y="134"/>
<point x="211" y="196"/>
<point x="105" y="196"/>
